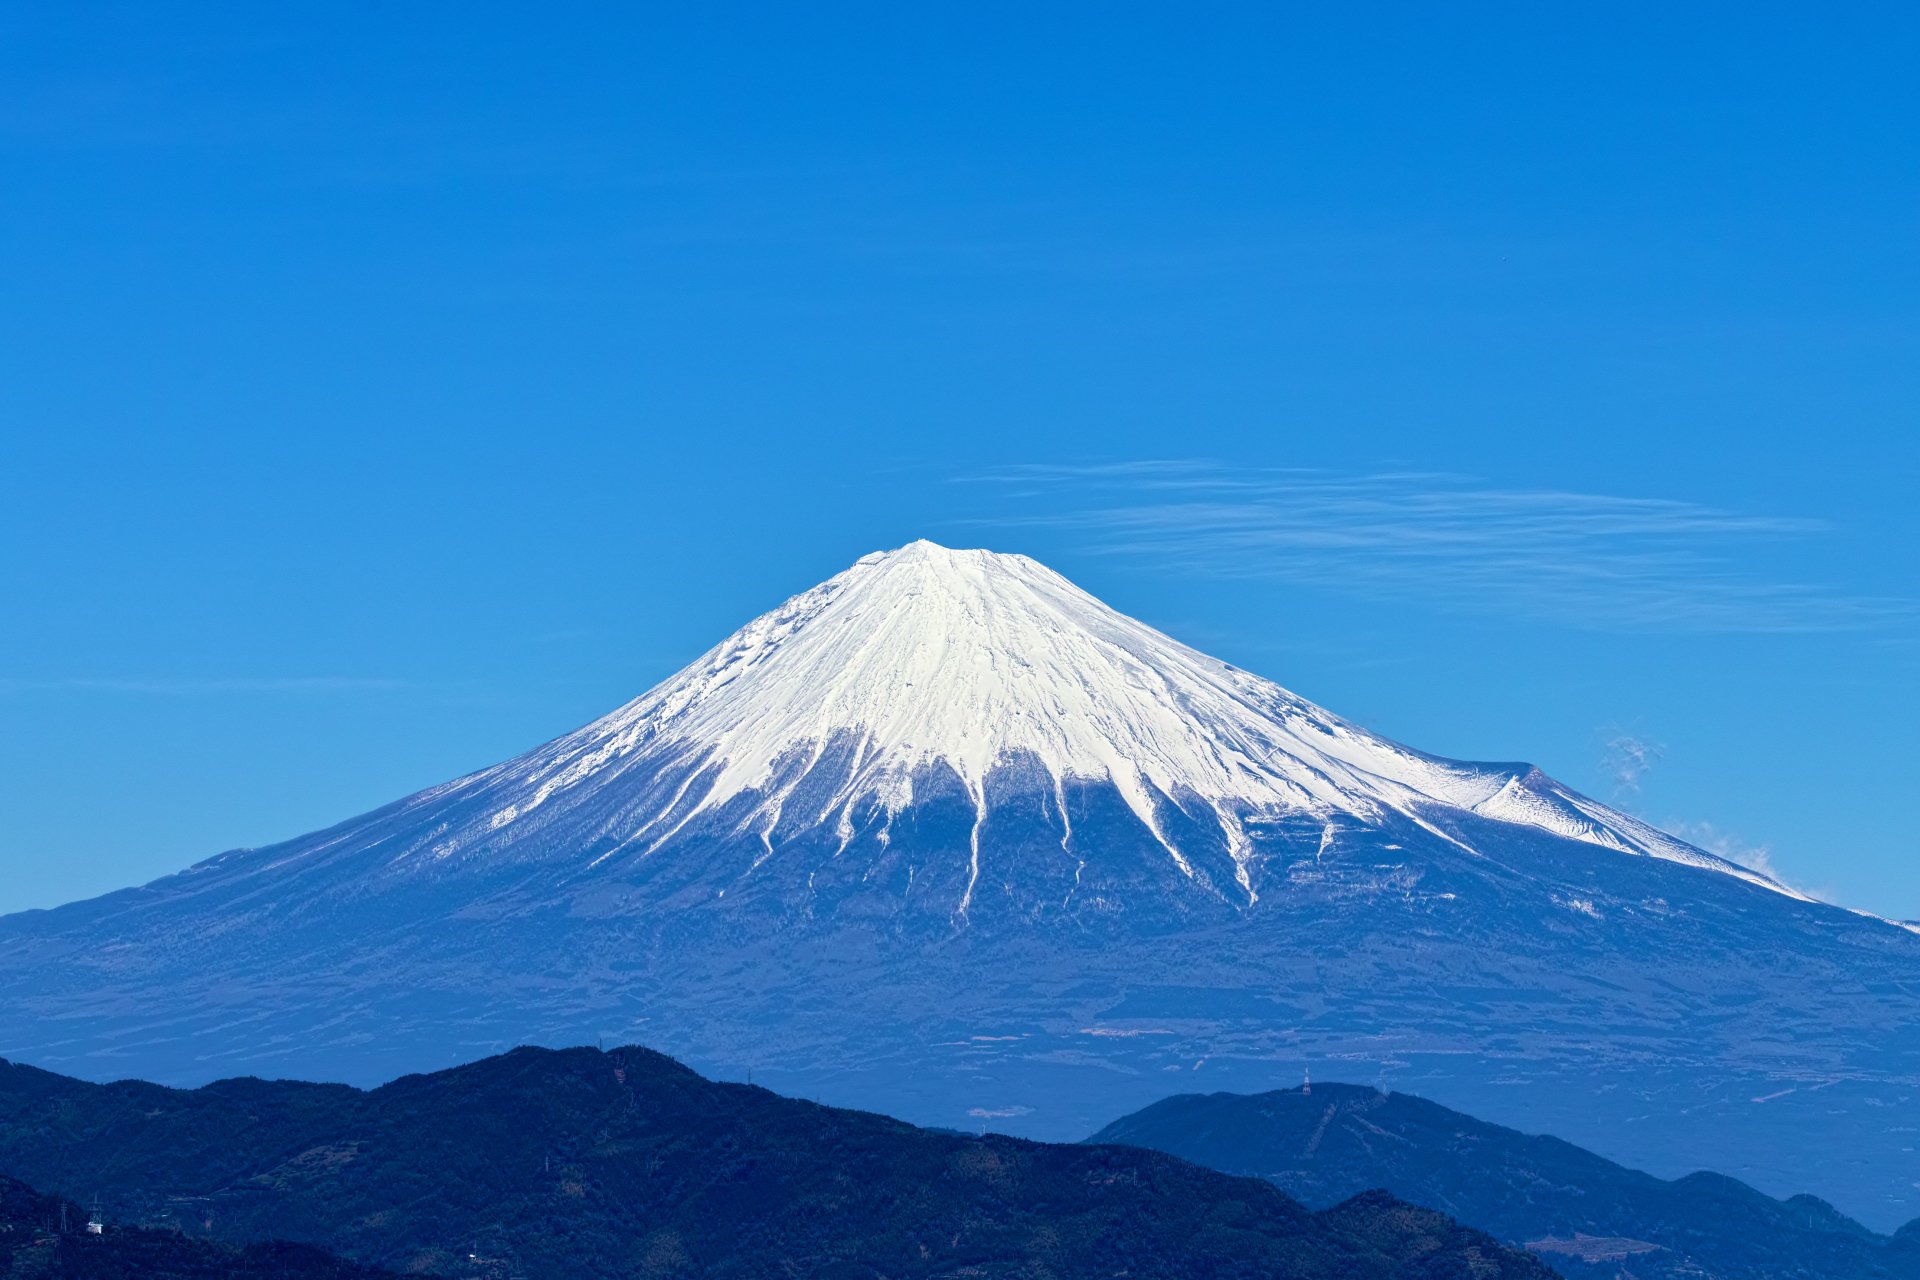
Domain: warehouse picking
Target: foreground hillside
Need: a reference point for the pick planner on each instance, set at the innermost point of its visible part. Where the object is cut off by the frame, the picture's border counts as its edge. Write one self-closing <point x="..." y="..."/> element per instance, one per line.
<point x="43" y="1239"/>
<point x="1582" y="1212"/>
<point x="577" y="1163"/>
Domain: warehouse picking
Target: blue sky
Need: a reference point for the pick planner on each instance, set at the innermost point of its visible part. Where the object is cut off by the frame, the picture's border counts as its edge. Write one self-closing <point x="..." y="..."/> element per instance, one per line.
<point x="387" y="388"/>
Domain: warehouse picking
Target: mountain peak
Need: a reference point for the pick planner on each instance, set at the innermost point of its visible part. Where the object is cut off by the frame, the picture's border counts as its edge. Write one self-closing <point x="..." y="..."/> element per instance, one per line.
<point x="925" y="549"/>
<point x="837" y="704"/>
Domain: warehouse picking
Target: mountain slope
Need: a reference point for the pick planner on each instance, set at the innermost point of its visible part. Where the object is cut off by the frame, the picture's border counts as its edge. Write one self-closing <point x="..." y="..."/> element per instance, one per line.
<point x="582" y="1164"/>
<point x="949" y="838"/>
<point x="825" y="711"/>
<point x="1325" y="1145"/>
<point x="33" y="1246"/>
<point x="927" y="666"/>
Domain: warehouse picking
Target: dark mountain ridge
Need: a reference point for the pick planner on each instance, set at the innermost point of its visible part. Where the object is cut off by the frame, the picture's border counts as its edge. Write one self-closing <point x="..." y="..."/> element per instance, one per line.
<point x="1325" y="1143"/>
<point x="577" y="1163"/>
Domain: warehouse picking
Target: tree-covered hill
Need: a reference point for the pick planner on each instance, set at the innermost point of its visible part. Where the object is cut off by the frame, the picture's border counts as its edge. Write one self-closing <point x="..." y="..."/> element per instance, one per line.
<point x="44" y="1238"/>
<point x="577" y="1163"/>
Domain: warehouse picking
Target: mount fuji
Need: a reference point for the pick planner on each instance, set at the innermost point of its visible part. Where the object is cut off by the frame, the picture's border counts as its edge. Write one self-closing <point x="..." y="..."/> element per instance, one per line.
<point x="946" y="836"/>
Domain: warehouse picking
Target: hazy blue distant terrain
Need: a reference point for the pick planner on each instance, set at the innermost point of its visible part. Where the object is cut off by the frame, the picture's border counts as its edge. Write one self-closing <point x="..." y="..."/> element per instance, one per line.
<point x="1577" y="1210"/>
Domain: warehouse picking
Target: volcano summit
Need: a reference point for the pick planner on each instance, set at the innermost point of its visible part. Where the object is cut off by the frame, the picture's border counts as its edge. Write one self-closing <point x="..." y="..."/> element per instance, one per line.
<point x="948" y="837"/>
<point x="932" y="668"/>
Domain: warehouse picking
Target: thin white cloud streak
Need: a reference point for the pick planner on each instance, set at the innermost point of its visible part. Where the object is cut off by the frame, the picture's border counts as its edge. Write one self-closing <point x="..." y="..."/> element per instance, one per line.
<point x="1724" y="844"/>
<point x="1584" y="559"/>
<point x="204" y="687"/>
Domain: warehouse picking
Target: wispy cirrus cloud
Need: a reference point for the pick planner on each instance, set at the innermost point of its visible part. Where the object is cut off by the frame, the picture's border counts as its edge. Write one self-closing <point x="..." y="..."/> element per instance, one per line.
<point x="1628" y="759"/>
<point x="192" y="687"/>
<point x="1584" y="559"/>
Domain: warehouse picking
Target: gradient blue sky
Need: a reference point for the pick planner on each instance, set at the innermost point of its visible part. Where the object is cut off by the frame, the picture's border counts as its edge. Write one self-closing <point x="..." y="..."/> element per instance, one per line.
<point x="385" y="388"/>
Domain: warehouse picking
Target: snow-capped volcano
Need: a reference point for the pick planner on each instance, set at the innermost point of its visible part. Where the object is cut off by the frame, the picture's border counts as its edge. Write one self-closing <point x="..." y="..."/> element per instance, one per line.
<point x="971" y="661"/>
<point x="945" y="836"/>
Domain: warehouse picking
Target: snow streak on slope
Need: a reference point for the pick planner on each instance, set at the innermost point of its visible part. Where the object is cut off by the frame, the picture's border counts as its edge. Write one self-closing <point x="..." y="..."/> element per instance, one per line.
<point x="971" y="659"/>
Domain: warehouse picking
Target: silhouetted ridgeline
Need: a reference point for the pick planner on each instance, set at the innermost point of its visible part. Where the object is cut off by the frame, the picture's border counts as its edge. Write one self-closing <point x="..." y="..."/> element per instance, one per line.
<point x="577" y="1163"/>
<point x="1586" y="1214"/>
